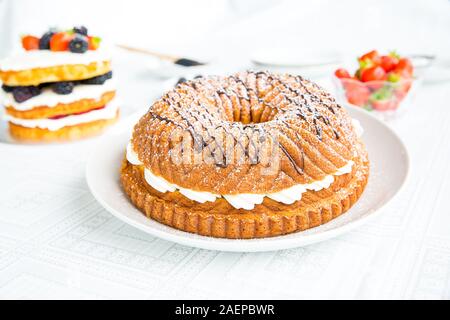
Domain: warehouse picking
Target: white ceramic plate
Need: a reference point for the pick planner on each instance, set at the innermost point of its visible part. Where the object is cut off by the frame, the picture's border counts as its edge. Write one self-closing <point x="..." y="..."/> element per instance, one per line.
<point x="389" y="170"/>
<point x="296" y="60"/>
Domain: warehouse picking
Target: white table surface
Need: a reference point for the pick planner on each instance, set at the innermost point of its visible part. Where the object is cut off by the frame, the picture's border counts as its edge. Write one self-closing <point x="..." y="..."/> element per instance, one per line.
<point x="56" y="241"/>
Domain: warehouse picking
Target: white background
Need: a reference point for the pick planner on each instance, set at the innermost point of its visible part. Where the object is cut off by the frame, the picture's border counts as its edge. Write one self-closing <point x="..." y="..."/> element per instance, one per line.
<point x="57" y="242"/>
<point x="185" y="26"/>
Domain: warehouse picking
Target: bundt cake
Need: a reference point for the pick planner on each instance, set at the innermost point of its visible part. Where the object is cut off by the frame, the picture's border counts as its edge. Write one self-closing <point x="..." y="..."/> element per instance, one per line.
<point x="250" y="155"/>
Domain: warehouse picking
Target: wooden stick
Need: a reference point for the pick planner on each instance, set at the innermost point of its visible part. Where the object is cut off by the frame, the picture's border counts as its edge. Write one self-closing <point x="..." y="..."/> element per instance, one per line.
<point x="185" y="62"/>
<point x="148" y="52"/>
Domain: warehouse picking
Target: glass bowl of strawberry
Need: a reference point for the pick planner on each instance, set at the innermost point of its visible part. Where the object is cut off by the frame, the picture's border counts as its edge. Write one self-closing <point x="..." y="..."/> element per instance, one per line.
<point x="381" y="84"/>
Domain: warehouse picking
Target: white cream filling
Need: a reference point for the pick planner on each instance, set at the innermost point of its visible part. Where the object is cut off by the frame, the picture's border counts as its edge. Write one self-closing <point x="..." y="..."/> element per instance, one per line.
<point x="345" y="169"/>
<point x="245" y="201"/>
<point x="33" y="59"/>
<point x="50" y="99"/>
<point x="358" y="127"/>
<point x="108" y="112"/>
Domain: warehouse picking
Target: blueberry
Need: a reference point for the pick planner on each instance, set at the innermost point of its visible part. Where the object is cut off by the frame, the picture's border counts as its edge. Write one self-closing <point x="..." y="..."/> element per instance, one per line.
<point x="24" y="93"/>
<point x="78" y="44"/>
<point x="44" y="42"/>
<point x="35" y="90"/>
<point x="80" y="30"/>
<point x="63" y="87"/>
<point x="99" y="79"/>
<point x="7" y="89"/>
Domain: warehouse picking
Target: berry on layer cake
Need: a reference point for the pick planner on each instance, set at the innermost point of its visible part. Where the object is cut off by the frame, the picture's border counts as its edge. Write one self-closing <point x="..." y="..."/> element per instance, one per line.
<point x="59" y="88"/>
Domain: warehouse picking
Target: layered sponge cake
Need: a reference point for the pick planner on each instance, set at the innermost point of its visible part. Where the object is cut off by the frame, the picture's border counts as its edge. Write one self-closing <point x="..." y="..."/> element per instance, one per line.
<point x="59" y="88"/>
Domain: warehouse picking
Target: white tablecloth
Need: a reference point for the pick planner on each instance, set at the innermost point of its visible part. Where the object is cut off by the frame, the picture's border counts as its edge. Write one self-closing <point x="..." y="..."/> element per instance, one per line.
<point x="56" y="241"/>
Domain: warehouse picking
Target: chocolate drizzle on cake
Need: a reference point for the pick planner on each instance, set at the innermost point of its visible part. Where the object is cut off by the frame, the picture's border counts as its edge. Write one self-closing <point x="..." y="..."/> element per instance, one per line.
<point x="250" y="109"/>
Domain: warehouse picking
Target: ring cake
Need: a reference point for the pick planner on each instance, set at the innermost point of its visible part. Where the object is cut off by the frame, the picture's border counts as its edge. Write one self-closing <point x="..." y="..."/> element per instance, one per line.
<point x="250" y="155"/>
<point x="59" y="88"/>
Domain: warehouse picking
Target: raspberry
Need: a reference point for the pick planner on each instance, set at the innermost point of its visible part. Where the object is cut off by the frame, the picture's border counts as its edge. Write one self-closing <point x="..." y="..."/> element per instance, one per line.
<point x="78" y="44"/>
<point x="63" y="87"/>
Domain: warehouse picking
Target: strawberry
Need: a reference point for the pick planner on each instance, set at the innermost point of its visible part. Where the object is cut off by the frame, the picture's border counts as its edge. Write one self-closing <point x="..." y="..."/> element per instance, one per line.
<point x="373" y="74"/>
<point x="393" y="77"/>
<point x="60" y="41"/>
<point x="383" y="99"/>
<point x="402" y="89"/>
<point x="405" y="67"/>
<point x="30" y="42"/>
<point x="342" y="73"/>
<point x="388" y="63"/>
<point x="356" y="92"/>
<point x="365" y="64"/>
<point x="94" y="42"/>
<point x="384" y="105"/>
<point x="371" y="56"/>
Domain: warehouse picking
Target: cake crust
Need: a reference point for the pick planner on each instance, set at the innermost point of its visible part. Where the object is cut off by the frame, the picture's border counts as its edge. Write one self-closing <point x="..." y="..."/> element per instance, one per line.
<point x="68" y="133"/>
<point x="69" y="72"/>
<point x="271" y="218"/>
<point x="82" y="105"/>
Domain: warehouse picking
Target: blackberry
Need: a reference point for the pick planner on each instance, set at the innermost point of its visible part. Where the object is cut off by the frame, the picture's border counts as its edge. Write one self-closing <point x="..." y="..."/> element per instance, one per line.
<point x="63" y="87"/>
<point x="78" y="44"/>
<point x="7" y="89"/>
<point x="24" y="93"/>
<point x="44" y="42"/>
<point x="99" y="79"/>
<point x="80" y="30"/>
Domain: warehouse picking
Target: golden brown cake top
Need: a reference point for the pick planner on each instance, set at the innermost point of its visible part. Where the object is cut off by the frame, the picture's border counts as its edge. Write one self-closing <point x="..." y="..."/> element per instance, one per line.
<point x="252" y="132"/>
